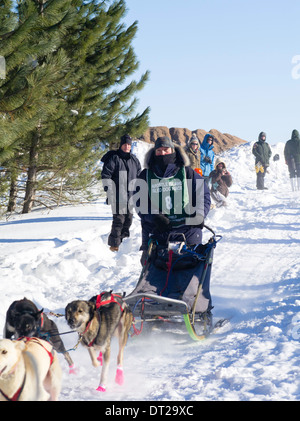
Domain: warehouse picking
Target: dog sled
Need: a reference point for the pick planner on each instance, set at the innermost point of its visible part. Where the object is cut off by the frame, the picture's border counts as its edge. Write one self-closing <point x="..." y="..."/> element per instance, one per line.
<point x="175" y="284"/>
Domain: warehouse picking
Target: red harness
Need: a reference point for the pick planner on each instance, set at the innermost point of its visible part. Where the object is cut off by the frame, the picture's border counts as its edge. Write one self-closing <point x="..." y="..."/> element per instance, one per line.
<point x="16" y="396"/>
<point x="100" y="303"/>
<point x="42" y="320"/>
<point x="36" y="340"/>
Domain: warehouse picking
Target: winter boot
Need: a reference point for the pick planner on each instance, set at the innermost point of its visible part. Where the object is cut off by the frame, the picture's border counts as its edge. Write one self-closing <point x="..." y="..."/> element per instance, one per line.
<point x="293" y="184"/>
<point x="298" y="182"/>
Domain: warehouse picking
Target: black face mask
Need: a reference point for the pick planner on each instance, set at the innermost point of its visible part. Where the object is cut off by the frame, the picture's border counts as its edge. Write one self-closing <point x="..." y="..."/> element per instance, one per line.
<point x="124" y="155"/>
<point x="162" y="161"/>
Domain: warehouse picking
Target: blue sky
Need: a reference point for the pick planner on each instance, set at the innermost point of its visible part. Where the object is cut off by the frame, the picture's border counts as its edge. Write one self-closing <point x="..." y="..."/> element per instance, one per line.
<point x="220" y="64"/>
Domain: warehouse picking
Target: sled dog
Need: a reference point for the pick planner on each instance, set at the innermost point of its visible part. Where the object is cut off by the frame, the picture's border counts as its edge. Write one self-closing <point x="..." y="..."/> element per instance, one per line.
<point x="24" y="319"/>
<point x="96" y="322"/>
<point x="29" y="370"/>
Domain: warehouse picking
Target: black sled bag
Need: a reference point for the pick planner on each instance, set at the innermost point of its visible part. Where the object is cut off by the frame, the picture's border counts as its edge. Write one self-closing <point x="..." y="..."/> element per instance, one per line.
<point x="177" y="278"/>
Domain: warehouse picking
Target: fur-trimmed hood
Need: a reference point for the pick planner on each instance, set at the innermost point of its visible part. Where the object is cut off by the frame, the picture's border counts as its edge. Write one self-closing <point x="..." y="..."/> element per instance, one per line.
<point x="181" y="157"/>
<point x="220" y="161"/>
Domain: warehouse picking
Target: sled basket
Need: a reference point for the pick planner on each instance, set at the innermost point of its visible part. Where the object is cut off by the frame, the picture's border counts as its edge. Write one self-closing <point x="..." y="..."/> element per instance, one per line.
<point x="175" y="281"/>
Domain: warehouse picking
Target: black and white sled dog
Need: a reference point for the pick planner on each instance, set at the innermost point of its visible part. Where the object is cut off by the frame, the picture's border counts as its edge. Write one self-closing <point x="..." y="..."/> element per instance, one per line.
<point x="24" y="319"/>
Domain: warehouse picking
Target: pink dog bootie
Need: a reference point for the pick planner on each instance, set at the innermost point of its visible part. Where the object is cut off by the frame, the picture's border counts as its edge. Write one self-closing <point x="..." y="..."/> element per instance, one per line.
<point x="100" y="358"/>
<point x="119" y="375"/>
<point x="72" y="369"/>
<point x="101" y="388"/>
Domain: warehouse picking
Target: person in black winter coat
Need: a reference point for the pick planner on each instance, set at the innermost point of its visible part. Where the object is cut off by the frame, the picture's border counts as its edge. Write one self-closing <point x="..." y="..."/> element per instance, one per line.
<point x="262" y="152"/>
<point x="119" y="169"/>
<point x="292" y="159"/>
<point x="177" y="198"/>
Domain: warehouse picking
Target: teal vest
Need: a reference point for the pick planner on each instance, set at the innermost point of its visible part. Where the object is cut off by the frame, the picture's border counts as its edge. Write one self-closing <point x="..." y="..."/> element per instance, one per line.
<point x="169" y="196"/>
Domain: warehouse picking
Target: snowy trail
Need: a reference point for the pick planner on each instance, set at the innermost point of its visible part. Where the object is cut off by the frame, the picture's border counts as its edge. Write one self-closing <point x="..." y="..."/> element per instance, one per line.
<point x="58" y="256"/>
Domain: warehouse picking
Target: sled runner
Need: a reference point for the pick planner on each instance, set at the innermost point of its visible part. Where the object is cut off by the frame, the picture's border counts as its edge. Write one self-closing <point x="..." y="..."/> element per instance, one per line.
<point x="174" y="283"/>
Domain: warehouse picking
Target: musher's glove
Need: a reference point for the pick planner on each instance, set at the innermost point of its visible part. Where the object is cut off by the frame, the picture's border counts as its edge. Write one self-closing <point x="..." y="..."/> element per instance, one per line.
<point x="161" y="222"/>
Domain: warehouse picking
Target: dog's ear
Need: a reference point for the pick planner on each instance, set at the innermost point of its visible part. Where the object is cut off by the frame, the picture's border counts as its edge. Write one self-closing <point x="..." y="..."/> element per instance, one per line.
<point x="66" y="311"/>
<point x="38" y="314"/>
<point x="92" y="308"/>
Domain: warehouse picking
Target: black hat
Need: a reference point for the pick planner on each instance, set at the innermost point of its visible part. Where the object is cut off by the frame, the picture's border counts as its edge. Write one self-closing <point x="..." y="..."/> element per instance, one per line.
<point x="164" y="142"/>
<point x="126" y="139"/>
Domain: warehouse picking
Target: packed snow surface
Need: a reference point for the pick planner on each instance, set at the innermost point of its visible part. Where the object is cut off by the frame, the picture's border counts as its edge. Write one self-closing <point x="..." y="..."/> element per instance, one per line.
<point x="54" y="257"/>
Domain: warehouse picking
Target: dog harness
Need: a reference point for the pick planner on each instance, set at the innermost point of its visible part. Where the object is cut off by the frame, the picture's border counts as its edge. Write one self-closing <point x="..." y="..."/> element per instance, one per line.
<point x="100" y="303"/>
<point x="17" y="395"/>
<point x="42" y="320"/>
<point x="36" y="340"/>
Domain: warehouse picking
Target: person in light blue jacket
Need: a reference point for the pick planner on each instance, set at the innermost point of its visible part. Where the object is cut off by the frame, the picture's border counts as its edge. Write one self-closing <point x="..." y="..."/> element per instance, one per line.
<point x="207" y="156"/>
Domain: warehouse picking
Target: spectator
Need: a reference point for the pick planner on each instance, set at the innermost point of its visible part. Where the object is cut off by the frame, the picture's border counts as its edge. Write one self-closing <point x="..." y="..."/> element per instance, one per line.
<point x="262" y="152"/>
<point x="120" y="167"/>
<point x="207" y="156"/>
<point x="292" y="159"/>
<point x="220" y="180"/>
<point x="193" y="152"/>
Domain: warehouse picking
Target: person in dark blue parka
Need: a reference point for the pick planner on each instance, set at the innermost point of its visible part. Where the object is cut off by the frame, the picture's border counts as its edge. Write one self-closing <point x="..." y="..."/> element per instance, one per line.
<point x="178" y="199"/>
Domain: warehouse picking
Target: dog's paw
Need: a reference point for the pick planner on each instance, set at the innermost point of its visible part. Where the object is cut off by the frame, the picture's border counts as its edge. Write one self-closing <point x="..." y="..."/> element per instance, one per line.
<point x="101" y="388"/>
<point x="72" y="369"/>
<point x="119" y="376"/>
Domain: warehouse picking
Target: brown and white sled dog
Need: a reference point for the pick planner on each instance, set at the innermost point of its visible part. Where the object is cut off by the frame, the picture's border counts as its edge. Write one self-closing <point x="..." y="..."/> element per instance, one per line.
<point x="29" y="370"/>
<point x="97" y="321"/>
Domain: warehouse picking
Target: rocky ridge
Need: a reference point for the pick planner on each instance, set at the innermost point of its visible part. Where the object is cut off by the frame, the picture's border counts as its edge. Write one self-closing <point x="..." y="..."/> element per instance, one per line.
<point x="223" y="141"/>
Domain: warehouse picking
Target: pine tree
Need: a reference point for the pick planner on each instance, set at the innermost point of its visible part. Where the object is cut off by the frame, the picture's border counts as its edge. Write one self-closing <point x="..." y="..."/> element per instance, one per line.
<point x="33" y="74"/>
<point x="60" y="102"/>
